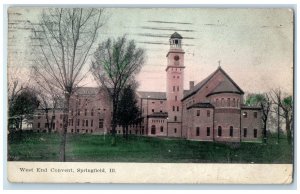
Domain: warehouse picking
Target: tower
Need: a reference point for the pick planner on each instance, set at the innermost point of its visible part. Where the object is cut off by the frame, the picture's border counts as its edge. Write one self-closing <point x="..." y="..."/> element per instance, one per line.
<point x="174" y="90"/>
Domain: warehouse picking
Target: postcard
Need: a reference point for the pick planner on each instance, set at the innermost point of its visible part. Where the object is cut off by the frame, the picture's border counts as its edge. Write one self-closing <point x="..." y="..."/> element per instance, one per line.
<point x="150" y="95"/>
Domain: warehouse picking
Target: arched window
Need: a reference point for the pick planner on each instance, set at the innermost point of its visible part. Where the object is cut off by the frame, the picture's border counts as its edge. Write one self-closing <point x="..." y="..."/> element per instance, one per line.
<point x="255" y="133"/>
<point x="231" y="131"/>
<point x="228" y="102"/>
<point x="217" y="102"/>
<point x="161" y="129"/>
<point x="222" y="102"/>
<point x="233" y="102"/>
<point x="92" y="112"/>
<point x="220" y="131"/>
<point x="153" y="129"/>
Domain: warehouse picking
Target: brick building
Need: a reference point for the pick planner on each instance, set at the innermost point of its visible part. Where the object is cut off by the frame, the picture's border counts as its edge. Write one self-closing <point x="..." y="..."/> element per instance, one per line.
<point x="211" y="110"/>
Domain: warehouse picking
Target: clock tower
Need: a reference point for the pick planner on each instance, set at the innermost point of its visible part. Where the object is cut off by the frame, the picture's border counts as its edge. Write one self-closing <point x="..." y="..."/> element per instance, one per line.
<point x="174" y="90"/>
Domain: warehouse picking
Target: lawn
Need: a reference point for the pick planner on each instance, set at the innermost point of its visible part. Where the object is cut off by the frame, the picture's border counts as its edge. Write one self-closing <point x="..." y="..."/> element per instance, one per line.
<point x="97" y="148"/>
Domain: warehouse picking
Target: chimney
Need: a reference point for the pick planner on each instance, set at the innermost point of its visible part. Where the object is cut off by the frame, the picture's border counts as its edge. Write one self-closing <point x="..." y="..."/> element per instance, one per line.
<point x="191" y="85"/>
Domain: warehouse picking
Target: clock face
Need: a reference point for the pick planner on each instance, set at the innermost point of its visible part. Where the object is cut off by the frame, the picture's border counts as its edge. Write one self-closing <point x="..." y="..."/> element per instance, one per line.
<point x="176" y="58"/>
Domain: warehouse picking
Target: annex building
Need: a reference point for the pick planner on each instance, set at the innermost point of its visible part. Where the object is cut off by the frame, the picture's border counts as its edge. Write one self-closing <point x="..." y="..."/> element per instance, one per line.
<point x="211" y="110"/>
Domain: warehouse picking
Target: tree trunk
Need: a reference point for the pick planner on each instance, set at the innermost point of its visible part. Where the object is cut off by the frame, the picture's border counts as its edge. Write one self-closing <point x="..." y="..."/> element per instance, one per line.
<point x="65" y="126"/>
<point x="265" y="131"/>
<point x="114" y="121"/>
<point x="288" y="129"/>
<point x="126" y="132"/>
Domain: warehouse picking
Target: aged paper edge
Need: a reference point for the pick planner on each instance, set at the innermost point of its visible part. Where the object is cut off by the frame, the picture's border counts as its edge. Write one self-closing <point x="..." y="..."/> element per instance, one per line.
<point x="184" y="173"/>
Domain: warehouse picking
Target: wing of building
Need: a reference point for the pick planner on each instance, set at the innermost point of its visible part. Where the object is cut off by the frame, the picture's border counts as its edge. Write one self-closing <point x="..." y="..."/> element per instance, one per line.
<point x="211" y="110"/>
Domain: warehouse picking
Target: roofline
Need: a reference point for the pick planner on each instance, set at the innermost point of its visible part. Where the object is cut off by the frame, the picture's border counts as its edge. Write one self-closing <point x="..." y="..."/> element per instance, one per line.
<point x="219" y="68"/>
<point x="230" y="92"/>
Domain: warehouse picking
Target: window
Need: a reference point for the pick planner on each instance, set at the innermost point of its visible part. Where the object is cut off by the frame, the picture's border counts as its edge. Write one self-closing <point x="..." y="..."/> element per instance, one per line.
<point x="220" y="131"/>
<point x="53" y="125"/>
<point x="152" y="110"/>
<point x="231" y="131"/>
<point x="78" y="122"/>
<point x="83" y="123"/>
<point x="53" y="117"/>
<point x="72" y="130"/>
<point x="173" y="88"/>
<point x="161" y="129"/>
<point x="78" y="112"/>
<point x="100" y="123"/>
<point x="222" y="102"/>
<point x="178" y="108"/>
<point x="228" y="102"/>
<point x="245" y="114"/>
<point x="175" y="130"/>
<point x="86" y="131"/>
<point x="85" y="112"/>
<point x="161" y="102"/>
<point x="175" y="118"/>
<point x="197" y="131"/>
<point x="245" y="132"/>
<point x="39" y="115"/>
<point x="91" y="131"/>
<point x="92" y="122"/>
<point x="153" y="129"/>
<point x="208" y="113"/>
<point x="173" y="108"/>
<point x="46" y="125"/>
<point x="87" y="123"/>
<point x="77" y="130"/>
<point x="255" y="133"/>
<point x="233" y="102"/>
<point x="208" y="131"/>
<point x="255" y="114"/>
<point x="177" y="88"/>
<point x="92" y="112"/>
<point x="39" y="125"/>
<point x="217" y="102"/>
<point x="175" y="98"/>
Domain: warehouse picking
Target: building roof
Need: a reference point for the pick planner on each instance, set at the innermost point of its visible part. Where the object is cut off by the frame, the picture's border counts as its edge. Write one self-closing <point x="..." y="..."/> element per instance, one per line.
<point x="246" y="107"/>
<point x="225" y="87"/>
<point x="152" y="95"/>
<point x="158" y="115"/>
<point x="221" y="88"/>
<point x="201" y="105"/>
<point x="87" y="90"/>
<point x="176" y="35"/>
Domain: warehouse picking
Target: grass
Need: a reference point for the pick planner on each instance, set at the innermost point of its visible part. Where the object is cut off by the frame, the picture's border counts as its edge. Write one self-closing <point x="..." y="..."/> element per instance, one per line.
<point x="97" y="148"/>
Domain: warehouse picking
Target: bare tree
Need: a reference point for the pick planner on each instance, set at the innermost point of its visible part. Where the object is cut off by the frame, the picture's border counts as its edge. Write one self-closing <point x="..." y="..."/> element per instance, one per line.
<point x="284" y="102"/>
<point x="63" y="39"/>
<point x="265" y="103"/>
<point x="115" y="64"/>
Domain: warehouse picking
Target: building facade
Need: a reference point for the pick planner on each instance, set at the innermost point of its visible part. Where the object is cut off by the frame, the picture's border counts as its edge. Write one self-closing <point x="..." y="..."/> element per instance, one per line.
<point x="211" y="110"/>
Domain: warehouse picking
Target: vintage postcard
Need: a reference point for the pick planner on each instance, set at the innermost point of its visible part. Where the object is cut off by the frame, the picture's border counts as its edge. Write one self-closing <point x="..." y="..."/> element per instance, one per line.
<point x="150" y="95"/>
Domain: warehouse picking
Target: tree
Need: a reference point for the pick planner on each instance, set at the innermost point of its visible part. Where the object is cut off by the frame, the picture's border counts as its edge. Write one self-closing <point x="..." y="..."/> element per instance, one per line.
<point x="284" y="102"/>
<point x="26" y="102"/>
<point x="265" y="103"/>
<point x="128" y="111"/>
<point x="63" y="39"/>
<point x="115" y="64"/>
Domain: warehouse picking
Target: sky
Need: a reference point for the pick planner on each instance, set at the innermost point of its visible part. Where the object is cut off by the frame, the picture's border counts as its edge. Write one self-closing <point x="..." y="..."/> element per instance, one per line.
<point x="255" y="46"/>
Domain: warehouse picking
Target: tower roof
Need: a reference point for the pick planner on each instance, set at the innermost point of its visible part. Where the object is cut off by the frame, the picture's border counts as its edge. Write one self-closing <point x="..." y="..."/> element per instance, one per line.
<point x="176" y="35"/>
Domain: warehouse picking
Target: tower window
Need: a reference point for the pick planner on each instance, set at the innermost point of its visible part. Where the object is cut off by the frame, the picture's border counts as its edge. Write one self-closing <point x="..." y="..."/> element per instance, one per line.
<point x="152" y="110"/>
<point x="231" y="131"/>
<point x="177" y="108"/>
<point x="175" y="98"/>
<point x="228" y="102"/>
<point x="222" y="102"/>
<point x="177" y="88"/>
<point x="233" y="102"/>
<point x="175" y="118"/>
<point x="173" y="88"/>
<point x="173" y="108"/>
<point x="198" y="113"/>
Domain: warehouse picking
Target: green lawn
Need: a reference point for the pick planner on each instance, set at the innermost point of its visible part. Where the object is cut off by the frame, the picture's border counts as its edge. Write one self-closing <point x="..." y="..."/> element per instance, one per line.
<point x="92" y="148"/>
